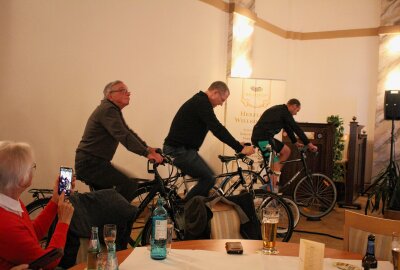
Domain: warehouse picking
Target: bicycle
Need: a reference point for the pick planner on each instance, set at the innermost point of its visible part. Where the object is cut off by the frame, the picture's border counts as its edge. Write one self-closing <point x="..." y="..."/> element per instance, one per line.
<point x="242" y="180"/>
<point x="171" y="185"/>
<point x="146" y="193"/>
<point x="315" y="194"/>
<point x="231" y="183"/>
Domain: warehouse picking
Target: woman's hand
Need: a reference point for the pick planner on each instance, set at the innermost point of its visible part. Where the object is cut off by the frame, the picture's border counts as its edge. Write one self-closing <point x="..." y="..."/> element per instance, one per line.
<point x="55" y="188"/>
<point x="65" y="209"/>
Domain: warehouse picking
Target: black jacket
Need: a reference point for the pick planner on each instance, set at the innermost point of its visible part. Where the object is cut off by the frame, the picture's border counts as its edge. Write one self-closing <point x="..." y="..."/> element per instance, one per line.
<point x="192" y="122"/>
<point x="272" y="121"/>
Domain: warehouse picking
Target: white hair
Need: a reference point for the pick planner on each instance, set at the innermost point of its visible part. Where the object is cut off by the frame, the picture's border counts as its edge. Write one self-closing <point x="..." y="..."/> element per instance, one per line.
<point x="16" y="160"/>
<point x="109" y="86"/>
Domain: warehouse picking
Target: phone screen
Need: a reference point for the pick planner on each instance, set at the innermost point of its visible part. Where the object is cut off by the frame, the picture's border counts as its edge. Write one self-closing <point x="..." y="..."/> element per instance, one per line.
<point x="65" y="180"/>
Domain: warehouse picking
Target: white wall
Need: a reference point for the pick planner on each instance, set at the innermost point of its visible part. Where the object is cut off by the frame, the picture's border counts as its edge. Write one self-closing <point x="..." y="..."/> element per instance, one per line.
<point x="329" y="76"/>
<point x="56" y="56"/>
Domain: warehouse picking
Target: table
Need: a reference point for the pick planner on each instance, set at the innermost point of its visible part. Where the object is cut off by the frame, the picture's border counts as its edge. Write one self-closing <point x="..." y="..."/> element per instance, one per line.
<point x="251" y="246"/>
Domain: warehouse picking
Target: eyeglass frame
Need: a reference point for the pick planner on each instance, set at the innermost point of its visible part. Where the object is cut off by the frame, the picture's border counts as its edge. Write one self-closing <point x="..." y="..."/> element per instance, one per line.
<point x="123" y="91"/>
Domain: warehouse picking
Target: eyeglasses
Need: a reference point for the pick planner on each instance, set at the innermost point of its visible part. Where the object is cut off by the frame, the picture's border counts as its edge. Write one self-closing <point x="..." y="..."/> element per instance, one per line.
<point x="123" y="91"/>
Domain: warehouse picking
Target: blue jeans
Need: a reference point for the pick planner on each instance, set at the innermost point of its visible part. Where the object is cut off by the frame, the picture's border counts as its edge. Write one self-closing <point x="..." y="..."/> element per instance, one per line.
<point x="191" y="163"/>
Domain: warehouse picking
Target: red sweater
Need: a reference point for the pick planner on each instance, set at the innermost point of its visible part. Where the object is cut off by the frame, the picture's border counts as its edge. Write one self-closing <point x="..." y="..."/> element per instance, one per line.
<point x="19" y="236"/>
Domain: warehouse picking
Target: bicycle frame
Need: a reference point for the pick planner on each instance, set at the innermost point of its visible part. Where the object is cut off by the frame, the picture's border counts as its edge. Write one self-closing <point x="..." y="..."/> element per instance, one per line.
<point x="154" y="188"/>
<point x="294" y="178"/>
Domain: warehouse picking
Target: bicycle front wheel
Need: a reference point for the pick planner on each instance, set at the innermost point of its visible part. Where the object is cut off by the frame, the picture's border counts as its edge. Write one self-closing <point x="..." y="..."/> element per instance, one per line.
<point x="263" y="199"/>
<point x="315" y="195"/>
<point x="231" y="183"/>
<point x="295" y="210"/>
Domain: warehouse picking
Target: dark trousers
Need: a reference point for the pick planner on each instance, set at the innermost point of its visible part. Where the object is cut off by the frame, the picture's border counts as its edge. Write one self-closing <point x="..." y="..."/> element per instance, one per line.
<point x="101" y="174"/>
<point x="191" y="163"/>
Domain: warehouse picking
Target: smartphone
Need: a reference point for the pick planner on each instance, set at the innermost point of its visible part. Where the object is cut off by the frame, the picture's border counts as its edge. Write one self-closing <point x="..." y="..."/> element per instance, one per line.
<point x="65" y="180"/>
<point x="47" y="258"/>
<point x="234" y="247"/>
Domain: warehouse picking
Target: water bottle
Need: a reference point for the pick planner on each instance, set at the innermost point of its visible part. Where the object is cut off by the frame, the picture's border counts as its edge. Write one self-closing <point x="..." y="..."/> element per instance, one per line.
<point x="369" y="261"/>
<point x="159" y="232"/>
<point x="93" y="249"/>
<point x="112" y="260"/>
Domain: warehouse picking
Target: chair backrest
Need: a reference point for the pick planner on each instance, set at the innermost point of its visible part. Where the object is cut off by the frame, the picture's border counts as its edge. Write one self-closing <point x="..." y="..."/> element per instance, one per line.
<point x="357" y="227"/>
<point x="225" y="223"/>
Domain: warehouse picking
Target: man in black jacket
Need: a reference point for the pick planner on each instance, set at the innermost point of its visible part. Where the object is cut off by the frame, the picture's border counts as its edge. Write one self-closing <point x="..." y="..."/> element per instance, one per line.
<point x="271" y="122"/>
<point x="189" y="128"/>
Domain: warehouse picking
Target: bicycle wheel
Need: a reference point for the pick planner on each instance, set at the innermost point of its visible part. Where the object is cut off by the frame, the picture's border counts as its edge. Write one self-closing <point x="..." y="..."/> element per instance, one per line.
<point x="295" y="211"/>
<point x="252" y="181"/>
<point x="34" y="209"/>
<point x="315" y="196"/>
<point x="264" y="199"/>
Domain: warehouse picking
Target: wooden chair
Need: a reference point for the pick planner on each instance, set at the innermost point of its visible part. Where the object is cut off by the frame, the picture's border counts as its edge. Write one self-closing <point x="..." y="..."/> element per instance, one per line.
<point x="357" y="227"/>
<point x="225" y="223"/>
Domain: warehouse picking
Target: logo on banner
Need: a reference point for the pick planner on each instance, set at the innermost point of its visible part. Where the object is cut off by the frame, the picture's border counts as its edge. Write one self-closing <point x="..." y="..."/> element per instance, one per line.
<point x="256" y="96"/>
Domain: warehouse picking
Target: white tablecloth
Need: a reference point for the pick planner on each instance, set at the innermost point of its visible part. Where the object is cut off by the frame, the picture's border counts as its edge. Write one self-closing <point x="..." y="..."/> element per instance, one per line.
<point x="210" y="260"/>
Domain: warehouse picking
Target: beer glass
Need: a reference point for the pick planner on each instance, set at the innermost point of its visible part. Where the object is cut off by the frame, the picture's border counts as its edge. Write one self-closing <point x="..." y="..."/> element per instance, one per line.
<point x="270" y="219"/>
<point x="396" y="250"/>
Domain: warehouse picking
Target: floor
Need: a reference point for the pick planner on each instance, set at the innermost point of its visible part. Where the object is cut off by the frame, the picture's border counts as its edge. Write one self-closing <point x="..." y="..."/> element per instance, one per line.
<point x="330" y="226"/>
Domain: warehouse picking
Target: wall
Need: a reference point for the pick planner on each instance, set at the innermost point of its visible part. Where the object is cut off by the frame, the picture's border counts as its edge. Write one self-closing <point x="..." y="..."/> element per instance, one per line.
<point x="58" y="55"/>
<point x="330" y="76"/>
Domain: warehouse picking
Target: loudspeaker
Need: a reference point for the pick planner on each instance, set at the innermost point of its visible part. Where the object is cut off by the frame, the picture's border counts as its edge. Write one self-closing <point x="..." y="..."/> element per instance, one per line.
<point x="392" y="105"/>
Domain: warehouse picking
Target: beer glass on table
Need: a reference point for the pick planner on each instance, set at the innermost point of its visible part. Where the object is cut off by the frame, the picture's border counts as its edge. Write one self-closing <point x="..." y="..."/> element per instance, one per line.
<point x="270" y="219"/>
<point x="396" y="250"/>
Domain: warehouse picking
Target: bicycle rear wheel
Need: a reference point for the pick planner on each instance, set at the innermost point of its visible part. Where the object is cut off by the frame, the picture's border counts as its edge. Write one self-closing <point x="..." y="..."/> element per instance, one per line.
<point x="315" y="196"/>
<point x="252" y="181"/>
<point x="264" y="199"/>
<point x="34" y="209"/>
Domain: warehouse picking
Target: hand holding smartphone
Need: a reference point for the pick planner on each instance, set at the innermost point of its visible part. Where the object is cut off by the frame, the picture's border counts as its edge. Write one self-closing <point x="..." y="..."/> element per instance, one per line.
<point x="65" y="180"/>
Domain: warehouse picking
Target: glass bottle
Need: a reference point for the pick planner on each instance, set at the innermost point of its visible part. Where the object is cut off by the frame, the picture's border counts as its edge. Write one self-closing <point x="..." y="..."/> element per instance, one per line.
<point x="93" y="249"/>
<point x="369" y="261"/>
<point x="159" y="232"/>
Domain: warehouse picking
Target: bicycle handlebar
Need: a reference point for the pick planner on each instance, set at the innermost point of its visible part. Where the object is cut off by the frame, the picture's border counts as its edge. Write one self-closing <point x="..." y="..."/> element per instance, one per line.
<point x="304" y="149"/>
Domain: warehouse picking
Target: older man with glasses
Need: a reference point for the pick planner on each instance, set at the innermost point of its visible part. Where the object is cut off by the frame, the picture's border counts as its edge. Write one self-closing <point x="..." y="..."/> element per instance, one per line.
<point x="105" y="129"/>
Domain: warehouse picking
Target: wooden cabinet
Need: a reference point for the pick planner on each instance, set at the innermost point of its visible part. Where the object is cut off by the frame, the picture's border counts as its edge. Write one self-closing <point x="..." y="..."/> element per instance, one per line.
<point x="321" y="135"/>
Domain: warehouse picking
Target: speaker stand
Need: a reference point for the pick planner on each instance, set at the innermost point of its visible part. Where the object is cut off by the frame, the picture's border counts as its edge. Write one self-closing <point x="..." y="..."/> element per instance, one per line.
<point x="391" y="171"/>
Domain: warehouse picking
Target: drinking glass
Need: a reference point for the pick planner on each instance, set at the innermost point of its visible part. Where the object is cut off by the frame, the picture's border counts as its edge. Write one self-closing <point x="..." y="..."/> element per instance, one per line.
<point x="170" y="232"/>
<point x="270" y="219"/>
<point x="396" y="250"/>
<point x="110" y="233"/>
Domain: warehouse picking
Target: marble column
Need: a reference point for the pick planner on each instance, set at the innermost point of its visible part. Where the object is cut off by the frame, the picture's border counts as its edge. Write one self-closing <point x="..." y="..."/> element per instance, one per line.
<point x="388" y="63"/>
